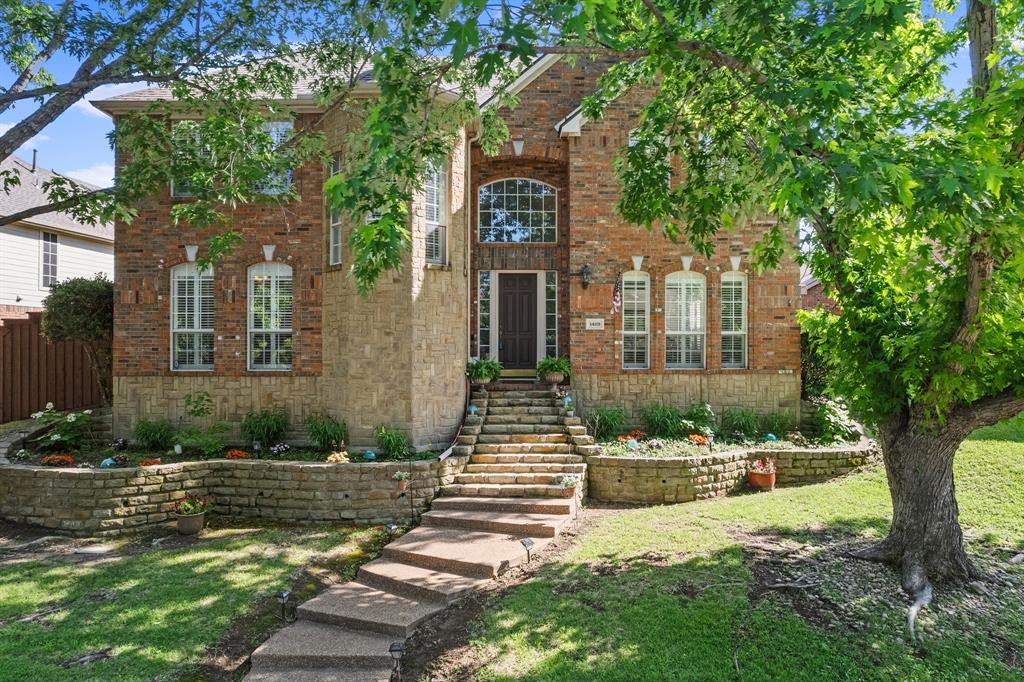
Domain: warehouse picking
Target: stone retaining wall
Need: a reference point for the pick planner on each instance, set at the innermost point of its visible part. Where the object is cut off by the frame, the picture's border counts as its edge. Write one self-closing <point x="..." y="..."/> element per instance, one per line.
<point x="88" y="502"/>
<point x="657" y="480"/>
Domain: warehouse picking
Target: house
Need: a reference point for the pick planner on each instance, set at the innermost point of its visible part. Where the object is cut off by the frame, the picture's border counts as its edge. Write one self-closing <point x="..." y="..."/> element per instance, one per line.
<point x="514" y="256"/>
<point x="40" y="251"/>
<point x="812" y="292"/>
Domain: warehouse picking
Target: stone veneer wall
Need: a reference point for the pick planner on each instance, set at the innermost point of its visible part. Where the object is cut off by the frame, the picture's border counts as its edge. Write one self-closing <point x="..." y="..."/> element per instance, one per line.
<point x="657" y="480"/>
<point x="87" y="502"/>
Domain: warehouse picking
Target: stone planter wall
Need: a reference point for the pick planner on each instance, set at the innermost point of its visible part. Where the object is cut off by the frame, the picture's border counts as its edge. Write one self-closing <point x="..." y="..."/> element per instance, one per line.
<point x="89" y="502"/>
<point x="658" y="480"/>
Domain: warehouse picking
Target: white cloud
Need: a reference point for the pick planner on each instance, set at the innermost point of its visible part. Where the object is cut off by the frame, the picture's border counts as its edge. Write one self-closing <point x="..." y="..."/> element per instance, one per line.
<point x="30" y="144"/>
<point x="104" y="92"/>
<point x="101" y="175"/>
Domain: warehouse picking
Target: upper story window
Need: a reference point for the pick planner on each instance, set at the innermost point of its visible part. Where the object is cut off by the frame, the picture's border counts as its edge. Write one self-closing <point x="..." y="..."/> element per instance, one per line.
<point x="684" y="320"/>
<point x="518" y="210"/>
<point x="435" y="196"/>
<point x="187" y="143"/>
<point x="191" y="318"/>
<point x="636" y="320"/>
<point x="270" y="316"/>
<point x="48" y="259"/>
<point x="278" y="182"/>
<point x="334" y="220"/>
<point x="734" y="320"/>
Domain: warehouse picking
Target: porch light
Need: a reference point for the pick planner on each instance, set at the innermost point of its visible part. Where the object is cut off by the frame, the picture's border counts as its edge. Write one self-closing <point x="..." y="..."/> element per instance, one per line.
<point x="687" y="262"/>
<point x="268" y="252"/>
<point x="528" y="544"/>
<point x="288" y="609"/>
<point x="191" y="251"/>
<point x="735" y="260"/>
<point x="584" y="274"/>
<point x="517" y="146"/>
<point x="392" y="528"/>
<point x="638" y="261"/>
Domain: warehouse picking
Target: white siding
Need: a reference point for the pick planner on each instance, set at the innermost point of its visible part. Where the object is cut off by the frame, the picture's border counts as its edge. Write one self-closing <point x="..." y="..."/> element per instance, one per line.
<point x="20" y="259"/>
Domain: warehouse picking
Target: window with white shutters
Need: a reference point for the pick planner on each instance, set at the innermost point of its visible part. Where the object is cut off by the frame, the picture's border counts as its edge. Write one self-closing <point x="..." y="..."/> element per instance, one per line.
<point x="435" y="194"/>
<point x="334" y="221"/>
<point x="734" y="320"/>
<point x="277" y="182"/>
<point x="684" y="320"/>
<point x="191" y="318"/>
<point x="270" y="316"/>
<point x="636" y="299"/>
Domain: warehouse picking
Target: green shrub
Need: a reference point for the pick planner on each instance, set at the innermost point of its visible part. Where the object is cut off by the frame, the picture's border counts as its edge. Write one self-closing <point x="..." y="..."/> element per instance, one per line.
<point x="605" y="422"/>
<point x="740" y="424"/>
<point x="154" y="434"/>
<point x="831" y="423"/>
<point x="82" y="310"/>
<point x="776" y="423"/>
<point x="326" y="432"/>
<point x="663" y="421"/>
<point x="266" y="426"/>
<point x="813" y="370"/>
<point x="205" y="443"/>
<point x="702" y="418"/>
<point x="67" y="431"/>
<point x="392" y="442"/>
<point x="483" y="370"/>
<point x="554" y="365"/>
<point x="199" y="404"/>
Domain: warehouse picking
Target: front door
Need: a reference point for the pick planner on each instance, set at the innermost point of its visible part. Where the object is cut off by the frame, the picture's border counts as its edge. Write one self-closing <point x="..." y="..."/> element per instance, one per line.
<point x="517" y="321"/>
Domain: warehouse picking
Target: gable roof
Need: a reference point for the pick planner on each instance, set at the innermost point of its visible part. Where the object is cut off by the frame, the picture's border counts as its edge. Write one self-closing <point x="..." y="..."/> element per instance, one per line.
<point x="29" y="194"/>
<point x="528" y="75"/>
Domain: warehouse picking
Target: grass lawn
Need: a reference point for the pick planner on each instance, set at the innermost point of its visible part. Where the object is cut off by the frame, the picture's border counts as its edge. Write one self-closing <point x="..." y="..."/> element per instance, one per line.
<point x="692" y="591"/>
<point x="159" y="609"/>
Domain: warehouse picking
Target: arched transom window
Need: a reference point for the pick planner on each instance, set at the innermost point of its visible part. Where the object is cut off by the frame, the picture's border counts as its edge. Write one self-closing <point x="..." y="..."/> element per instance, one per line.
<point x="518" y="210"/>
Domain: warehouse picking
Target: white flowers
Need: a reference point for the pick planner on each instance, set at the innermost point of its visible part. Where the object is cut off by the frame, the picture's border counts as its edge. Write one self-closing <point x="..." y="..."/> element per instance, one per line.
<point x="86" y="411"/>
<point x="54" y="436"/>
<point x="72" y="417"/>
<point x="37" y="415"/>
<point x="49" y="406"/>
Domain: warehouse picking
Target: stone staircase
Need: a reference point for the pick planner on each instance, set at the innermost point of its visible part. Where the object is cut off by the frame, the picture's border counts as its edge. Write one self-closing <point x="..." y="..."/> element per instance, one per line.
<point x="521" y="444"/>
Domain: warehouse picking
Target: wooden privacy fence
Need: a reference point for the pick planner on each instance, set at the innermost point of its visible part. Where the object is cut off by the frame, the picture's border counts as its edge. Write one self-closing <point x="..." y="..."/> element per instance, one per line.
<point x="34" y="371"/>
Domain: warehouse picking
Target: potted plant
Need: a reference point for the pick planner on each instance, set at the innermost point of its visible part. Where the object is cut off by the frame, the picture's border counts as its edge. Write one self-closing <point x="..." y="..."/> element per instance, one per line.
<point x="761" y="473"/>
<point x="191" y="513"/>
<point x="553" y="369"/>
<point x="403" y="478"/>
<point x="568" y="485"/>
<point x="483" y="370"/>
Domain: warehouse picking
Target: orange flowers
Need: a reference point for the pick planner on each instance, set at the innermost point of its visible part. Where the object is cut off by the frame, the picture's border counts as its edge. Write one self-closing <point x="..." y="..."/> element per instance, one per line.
<point x="150" y="462"/>
<point x="237" y="454"/>
<point x="57" y="460"/>
<point x="697" y="439"/>
<point x="636" y="435"/>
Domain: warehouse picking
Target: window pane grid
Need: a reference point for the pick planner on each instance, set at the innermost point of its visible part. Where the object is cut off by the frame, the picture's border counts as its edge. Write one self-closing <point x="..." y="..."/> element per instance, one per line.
<point x="192" y="315"/>
<point x="484" y="314"/>
<point x="734" y="321"/>
<point x="277" y="182"/>
<point x="270" y="316"/>
<point x="334" y="220"/>
<point x="635" y="315"/>
<point x="551" y="313"/>
<point x="49" y="269"/>
<point x="518" y="210"/>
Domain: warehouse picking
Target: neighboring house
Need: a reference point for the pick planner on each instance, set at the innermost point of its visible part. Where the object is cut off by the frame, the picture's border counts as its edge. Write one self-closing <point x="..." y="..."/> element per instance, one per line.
<point x="812" y="292"/>
<point x="44" y="249"/>
<point x="500" y="245"/>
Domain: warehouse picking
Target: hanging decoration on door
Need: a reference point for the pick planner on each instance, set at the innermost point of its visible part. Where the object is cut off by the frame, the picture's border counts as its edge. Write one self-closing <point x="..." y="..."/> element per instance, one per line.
<point x="617" y="294"/>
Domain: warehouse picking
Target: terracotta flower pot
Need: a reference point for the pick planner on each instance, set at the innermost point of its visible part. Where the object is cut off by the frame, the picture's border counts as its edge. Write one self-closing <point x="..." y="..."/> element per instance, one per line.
<point x="403" y="486"/>
<point x="554" y="378"/>
<point x="762" y="481"/>
<point x="569" y="492"/>
<point x="191" y="524"/>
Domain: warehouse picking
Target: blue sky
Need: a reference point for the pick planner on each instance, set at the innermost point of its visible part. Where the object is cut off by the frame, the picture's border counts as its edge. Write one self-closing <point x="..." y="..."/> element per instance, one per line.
<point x="76" y="144"/>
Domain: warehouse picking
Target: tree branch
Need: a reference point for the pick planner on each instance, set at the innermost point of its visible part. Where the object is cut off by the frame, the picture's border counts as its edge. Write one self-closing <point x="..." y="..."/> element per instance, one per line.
<point x="988" y="411"/>
<point x="29" y="72"/>
<point x="62" y="205"/>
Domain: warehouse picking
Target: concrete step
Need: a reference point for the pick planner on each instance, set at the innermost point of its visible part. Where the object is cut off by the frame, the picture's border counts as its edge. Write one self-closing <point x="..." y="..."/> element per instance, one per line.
<point x="572" y="421"/>
<point x="522" y="438"/>
<point x="585" y="450"/>
<point x="496" y="490"/>
<point x="515" y="523"/>
<point x="522" y="429"/>
<point x="522" y="448"/>
<point x="317" y="646"/>
<point x="522" y="505"/>
<point x="525" y="419"/>
<point x="471" y="553"/>
<point x="526" y="458"/>
<point x="509" y="479"/>
<point x="516" y="393"/>
<point x="416" y="581"/>
<point x="362" y="607"/>
<point x="571" y="430"/>
<point x="503" y="410"/>
<point x="526" y="468"/>
<point x="502" y="401"/>
<point x="467" y="439"/>
<point x="582" y="440"/>
<point x="375" y="674"/>
<point x="462" y="450"/>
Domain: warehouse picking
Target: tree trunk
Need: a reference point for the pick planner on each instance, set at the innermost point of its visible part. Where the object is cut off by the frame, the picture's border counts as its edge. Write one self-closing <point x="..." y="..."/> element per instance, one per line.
<point x="925" y="538"/>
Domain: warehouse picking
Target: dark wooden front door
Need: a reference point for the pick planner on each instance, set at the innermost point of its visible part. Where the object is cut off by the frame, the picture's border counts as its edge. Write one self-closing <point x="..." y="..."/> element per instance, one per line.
<point x="517" y="323"/>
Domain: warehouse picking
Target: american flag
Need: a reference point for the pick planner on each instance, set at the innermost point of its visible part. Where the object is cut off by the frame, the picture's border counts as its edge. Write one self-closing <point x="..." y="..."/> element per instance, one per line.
<point x="617" y="294"/>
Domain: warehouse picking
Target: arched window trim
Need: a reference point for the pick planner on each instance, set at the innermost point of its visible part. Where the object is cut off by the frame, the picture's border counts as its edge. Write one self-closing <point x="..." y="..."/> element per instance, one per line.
<point x="731" y="335"/>
<point x="691" y="338"/>
<point x="479" y="211"/>
<point x="276" y="330"/>
<point x="634" y="339"/>
<point x="191" y="326"/>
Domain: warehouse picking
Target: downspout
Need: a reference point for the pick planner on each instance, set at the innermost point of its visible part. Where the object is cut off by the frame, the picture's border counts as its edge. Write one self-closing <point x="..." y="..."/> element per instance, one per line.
<point x="467" y="270"/>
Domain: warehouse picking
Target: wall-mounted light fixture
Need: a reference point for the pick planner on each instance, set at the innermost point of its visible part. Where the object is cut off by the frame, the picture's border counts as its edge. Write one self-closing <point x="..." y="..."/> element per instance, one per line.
<point x="735" y="260"/>
<point x="268" y="252"/>
<point x="638" y="261"/>
<point x="517" y="146"/>
<point x="687" y="262"/>
<point x="191" y="251"/>
<point x="584" y="274"/>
